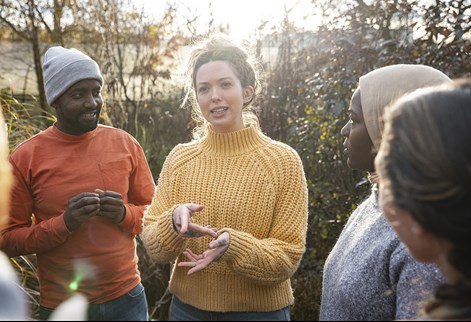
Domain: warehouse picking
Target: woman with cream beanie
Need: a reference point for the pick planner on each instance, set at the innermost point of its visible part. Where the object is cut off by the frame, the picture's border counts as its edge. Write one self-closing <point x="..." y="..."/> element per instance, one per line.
<point x="369" y="275"/>
<point x="383" y="86"/>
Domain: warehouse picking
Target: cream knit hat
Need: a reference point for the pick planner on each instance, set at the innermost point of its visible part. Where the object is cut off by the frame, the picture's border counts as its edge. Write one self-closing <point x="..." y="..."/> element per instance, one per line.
<point x="64" y="67"/>
<point x="384" y="85"/>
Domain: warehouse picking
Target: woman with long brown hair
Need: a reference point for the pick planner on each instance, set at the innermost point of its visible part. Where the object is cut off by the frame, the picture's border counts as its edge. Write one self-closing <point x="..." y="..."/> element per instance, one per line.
<point x="424" y="166"/>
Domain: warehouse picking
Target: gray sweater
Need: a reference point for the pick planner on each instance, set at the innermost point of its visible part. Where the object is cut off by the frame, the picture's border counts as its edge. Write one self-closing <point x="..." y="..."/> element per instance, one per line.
<point x="370" y="276"/>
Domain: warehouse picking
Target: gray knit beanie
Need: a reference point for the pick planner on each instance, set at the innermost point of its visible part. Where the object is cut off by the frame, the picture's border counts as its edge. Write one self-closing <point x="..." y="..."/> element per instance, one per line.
<point x="63" y="68"/>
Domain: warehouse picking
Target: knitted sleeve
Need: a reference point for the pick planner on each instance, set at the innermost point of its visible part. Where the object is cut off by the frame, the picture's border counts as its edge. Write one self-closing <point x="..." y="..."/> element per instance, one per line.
<point x="415" y="283"/>
<point x="158" y="236"/>
<point x="275" y="259"/>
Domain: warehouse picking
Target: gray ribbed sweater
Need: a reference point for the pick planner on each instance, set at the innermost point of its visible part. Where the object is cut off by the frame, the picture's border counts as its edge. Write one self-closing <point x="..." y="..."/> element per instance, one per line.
<point x="369" y="275"/>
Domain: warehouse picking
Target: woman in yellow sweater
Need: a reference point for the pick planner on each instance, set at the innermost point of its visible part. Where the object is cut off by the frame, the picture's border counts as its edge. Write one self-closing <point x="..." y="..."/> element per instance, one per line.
<point x="230" y="206"/>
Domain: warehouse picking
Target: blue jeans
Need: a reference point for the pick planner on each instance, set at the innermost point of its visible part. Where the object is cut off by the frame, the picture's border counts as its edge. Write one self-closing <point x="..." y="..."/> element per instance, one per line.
<point x="180" y="311"/>
<point x="131" y="306"/>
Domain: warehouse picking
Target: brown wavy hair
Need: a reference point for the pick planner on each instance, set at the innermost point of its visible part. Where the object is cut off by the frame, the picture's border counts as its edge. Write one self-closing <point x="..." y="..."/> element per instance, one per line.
<point x="425" y="163"/>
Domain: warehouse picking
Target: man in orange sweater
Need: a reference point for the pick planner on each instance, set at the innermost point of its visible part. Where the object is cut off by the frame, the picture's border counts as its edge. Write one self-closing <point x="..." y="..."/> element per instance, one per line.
<point x="80" y="193"/>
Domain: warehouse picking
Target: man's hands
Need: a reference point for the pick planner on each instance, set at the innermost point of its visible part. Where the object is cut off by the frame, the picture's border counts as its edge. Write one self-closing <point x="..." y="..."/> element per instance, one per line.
<point x="80" y="207"/>
<point x="111" y="205"/>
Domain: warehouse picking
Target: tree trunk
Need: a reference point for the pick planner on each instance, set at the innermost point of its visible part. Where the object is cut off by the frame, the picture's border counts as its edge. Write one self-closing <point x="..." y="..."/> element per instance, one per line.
<point x="37" y="60"/>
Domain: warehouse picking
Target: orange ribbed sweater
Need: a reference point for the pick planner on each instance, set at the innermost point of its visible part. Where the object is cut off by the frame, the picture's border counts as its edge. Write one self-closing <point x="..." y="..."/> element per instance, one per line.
<point x="252" y="187"/>
<point x="98" y="259"/>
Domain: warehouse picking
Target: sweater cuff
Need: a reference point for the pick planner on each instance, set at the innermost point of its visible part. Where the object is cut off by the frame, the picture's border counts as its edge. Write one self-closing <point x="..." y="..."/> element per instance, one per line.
<point x="238" y="246"/>
<point x="59" y="224"/>
<point x="170" y="234"/>
<point x="167" y="221"/>
<point x="160" y="238"/>
<point x="128" y="221"/>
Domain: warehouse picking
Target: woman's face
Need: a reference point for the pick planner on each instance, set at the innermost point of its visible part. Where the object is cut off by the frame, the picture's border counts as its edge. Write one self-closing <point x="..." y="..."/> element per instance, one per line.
<point x="220" y="96"/>
<point x="421" y="244"/>
<point x="358" y="144"/>
<point x="399" y="219"/>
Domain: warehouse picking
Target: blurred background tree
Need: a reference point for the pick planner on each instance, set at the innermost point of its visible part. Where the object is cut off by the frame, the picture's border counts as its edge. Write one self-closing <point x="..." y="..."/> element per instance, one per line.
<point x="310" y="77"/>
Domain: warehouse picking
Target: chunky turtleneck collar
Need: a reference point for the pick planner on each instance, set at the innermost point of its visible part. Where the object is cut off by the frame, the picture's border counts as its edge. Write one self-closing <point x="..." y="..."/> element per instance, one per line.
<point x="233" y="143"/>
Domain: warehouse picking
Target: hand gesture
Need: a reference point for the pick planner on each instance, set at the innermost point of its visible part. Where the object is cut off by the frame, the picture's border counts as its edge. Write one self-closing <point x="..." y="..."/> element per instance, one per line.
<point x="111" y="205"/>
<point x="81" y="207"/>
<point x="185" y="227"/>
<point x="215" y="250"/>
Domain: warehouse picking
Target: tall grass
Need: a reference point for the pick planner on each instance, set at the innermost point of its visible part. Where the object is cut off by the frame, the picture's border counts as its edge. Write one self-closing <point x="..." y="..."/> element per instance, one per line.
<point x="23" y="121"/>
<point x="22" y="117"/>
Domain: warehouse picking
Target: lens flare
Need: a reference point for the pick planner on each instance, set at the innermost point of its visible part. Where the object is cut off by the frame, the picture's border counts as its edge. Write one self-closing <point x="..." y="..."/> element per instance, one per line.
<point x="74" y="285"/>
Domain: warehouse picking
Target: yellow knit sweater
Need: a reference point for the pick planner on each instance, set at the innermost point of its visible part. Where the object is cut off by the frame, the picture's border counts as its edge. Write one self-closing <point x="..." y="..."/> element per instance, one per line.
<point x="250" y="186"/>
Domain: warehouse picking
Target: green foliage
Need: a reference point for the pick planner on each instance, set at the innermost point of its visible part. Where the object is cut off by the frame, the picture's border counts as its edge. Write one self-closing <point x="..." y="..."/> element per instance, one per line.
<point x="161" y="125"/>
<point x="22" y="117"/>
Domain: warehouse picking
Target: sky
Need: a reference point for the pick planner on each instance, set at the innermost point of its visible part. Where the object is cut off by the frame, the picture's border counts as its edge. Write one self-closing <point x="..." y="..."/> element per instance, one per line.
<point x="242" y="16"/>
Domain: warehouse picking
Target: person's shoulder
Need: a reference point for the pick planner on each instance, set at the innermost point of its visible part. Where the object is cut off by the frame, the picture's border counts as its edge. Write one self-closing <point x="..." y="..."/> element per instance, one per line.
<point x="184" y="151"/>
<point x="402" y="259"/>
<point x="283" y="146"/>
<point x="112" y="130"/>
<point x="368" y="210"/>
<point x="185" y="147"/>
<point x="26" y="145"/>
<point x="282" y="151"/>
<point x="116" y="133"/>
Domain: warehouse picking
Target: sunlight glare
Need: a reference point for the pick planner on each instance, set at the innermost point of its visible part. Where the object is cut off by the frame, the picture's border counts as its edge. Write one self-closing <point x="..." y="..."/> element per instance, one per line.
<point x="243" y="17"/>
